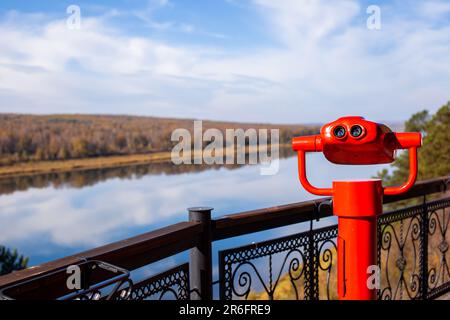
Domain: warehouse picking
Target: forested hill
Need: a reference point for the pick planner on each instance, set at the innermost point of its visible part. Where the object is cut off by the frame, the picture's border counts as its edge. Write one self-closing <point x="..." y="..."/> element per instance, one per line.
<point x="26" y="138"/>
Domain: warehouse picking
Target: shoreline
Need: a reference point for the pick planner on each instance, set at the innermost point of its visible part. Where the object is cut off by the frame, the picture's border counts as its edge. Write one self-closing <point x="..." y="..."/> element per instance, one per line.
<point x="61" y="166"/>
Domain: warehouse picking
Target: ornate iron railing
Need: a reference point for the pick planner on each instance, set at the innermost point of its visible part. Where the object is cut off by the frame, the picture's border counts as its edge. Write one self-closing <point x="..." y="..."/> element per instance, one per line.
<point x="413" y="251"/>
<point x="301" y="258"/>
<point x="172" y="284"/>
<point x="413" y="254"/>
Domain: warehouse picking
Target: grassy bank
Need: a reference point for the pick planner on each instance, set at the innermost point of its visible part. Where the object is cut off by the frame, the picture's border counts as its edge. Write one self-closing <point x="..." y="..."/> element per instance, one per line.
<point x="39" y="167"/>
<point x="31" y="168"/>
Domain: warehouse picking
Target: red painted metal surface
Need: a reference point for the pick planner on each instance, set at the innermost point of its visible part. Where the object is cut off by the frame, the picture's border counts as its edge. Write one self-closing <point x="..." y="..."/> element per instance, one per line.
<point x="357" y="204"/>
<point x="356" y="141"/>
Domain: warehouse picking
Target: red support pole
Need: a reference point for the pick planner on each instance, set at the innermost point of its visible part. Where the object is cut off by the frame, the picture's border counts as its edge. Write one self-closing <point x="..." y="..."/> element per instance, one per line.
<point x="357" y="205"/>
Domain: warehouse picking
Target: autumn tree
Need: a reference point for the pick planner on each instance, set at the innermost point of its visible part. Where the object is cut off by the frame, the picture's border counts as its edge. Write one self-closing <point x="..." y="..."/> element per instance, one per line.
<point x="79" y="147"/>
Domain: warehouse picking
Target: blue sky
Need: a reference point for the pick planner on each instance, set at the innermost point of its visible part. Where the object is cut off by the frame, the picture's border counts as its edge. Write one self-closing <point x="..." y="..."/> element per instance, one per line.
<point x="214" y="21"/>
<point x="240" y="60"/>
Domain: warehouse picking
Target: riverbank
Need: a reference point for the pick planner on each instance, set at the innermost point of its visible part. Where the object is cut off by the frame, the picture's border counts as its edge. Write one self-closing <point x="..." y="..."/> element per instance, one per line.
<point x="40" y="167"/>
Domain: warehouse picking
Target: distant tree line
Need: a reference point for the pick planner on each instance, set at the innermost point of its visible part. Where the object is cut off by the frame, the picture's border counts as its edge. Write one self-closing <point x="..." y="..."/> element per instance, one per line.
<point x="26" y="138"/>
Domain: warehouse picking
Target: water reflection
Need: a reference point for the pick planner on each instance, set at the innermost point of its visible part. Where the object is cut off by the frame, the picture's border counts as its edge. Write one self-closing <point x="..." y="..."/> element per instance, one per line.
<point x="84" y="178"/>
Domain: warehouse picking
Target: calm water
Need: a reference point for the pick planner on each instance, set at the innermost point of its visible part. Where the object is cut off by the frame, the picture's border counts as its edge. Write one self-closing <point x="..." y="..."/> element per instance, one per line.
<point x="51" y="216"/>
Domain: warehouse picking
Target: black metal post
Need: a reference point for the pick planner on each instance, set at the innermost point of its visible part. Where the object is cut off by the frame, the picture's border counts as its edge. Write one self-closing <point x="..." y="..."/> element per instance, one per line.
<point x="424" y="251"/>
<point x="200" y="257"/>
<point x="379" y="248"/>
<point x="311" y="275"/>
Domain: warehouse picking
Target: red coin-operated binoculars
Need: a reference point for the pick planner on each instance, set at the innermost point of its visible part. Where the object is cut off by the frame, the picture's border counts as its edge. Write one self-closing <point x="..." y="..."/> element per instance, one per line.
<point x="353" y="140"/>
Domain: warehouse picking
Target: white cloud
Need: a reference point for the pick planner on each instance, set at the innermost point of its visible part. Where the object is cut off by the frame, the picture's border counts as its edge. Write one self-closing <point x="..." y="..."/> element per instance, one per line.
<point x="301" y="22"/>
<point x="434" y="9"/>
<point x="326" y="64"/>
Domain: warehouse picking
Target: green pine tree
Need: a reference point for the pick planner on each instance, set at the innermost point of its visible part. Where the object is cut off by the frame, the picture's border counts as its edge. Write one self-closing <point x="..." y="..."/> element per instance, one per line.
<point x="11" y="261"/>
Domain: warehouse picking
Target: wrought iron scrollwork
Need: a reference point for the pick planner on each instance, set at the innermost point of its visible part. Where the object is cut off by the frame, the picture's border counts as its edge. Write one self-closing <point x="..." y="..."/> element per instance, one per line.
<point x="171" y="284"/>
<point x="327" y="259"/>
<point x="241" y="279"/>
<point x="438" y="269"/>
<point x="400" y="247"/>
<point x="263" y="269"/>
<point x="406" y="248"/>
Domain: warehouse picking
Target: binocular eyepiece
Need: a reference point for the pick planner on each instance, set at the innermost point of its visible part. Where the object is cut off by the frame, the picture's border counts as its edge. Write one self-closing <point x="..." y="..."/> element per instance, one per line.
<point x="356" y="131"/>
<point x="354" y="140"/>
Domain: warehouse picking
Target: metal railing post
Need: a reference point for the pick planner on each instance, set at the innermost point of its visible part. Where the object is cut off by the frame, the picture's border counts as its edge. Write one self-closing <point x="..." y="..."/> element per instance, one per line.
<point x="312" y="267"/>
<point x="424" y="251"/>
<point x="200" y="257"/>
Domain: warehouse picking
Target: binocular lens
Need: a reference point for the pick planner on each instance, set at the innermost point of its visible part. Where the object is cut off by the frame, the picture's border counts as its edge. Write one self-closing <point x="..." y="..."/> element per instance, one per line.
<point x="339" y="132"/>
<point x="356" y="131"/>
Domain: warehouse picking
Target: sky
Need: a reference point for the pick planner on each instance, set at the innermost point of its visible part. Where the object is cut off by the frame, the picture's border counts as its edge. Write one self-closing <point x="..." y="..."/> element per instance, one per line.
<point x="279" y="61"/>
